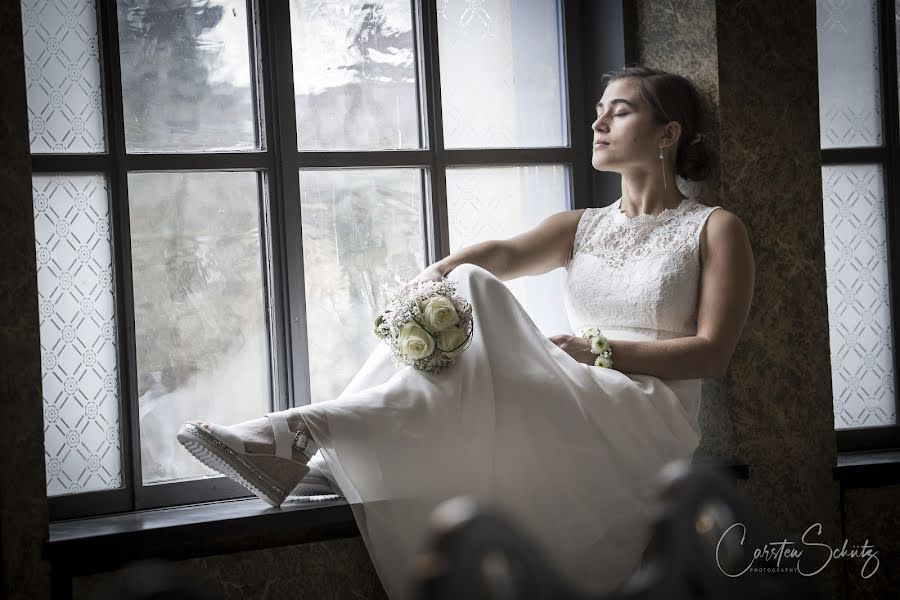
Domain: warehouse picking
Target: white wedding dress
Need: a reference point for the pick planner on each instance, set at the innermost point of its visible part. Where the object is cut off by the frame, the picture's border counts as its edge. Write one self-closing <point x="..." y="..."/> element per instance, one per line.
<point x="567" y="450"/>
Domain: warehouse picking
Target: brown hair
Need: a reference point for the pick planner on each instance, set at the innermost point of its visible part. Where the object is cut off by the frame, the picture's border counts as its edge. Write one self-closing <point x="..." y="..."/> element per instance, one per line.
<point x="675" y="98"/>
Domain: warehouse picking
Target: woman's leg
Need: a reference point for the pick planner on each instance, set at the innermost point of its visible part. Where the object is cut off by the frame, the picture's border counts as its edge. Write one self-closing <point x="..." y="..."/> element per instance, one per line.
<point x="477" y="285"/>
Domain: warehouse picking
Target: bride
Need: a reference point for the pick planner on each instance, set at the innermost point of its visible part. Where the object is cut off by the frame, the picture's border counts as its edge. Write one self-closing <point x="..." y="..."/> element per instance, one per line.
<point x="568" y="450"/>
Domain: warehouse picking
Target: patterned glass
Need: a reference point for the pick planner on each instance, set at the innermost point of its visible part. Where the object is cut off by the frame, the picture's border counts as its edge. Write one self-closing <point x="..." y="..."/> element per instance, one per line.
<point x="199" y="310"/>
<point x="79" y="363"/>
<point x="502" y="73"/>
<point x="355" y="75"/>
<point x="849" y="89"/>
<point x="363" y="237"/>
<point x="859" y="315"/>
<point x="62" y="75"/>
<point x="499" y="202"/>
<point x="186" y="76"/>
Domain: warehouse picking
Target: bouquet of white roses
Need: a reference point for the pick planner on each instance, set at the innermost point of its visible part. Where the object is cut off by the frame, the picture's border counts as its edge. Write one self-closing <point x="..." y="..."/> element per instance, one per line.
<point x="426" y="325"/>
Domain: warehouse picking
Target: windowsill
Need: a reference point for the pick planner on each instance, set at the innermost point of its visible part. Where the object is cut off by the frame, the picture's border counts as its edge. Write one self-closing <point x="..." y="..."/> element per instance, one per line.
<point x="867" y="469"/>
<point x="83" y="546"/>
<point x="96" y="544"/>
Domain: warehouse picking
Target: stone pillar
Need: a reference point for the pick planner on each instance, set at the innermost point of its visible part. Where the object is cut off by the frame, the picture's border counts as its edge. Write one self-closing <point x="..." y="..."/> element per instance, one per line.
<point x="756" y="62"/>
<point x="23" y="496"/>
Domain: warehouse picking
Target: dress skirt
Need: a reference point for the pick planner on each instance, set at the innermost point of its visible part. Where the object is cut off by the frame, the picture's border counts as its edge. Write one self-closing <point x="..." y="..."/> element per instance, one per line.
<point x="568" y="451"/>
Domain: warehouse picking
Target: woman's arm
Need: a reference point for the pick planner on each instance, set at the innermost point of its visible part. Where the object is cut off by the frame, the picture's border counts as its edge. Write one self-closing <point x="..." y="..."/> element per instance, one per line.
<point x="534" y="252"/>
<point x="680" y="358"/>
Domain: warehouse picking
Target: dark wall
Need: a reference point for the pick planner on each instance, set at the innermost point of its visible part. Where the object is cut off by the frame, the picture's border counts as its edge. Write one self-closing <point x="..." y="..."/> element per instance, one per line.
<point x="23" y="495"/>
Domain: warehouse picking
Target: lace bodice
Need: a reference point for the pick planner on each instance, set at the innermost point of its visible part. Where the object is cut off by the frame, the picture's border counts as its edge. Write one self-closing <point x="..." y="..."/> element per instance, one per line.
<point x="636" y="278"/>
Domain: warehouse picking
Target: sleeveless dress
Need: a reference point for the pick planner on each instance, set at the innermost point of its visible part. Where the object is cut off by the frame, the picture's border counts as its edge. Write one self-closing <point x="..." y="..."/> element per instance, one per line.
<point x="568" y="451"/>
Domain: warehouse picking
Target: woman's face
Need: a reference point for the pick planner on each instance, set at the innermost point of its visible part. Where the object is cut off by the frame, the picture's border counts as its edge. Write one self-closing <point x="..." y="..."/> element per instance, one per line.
<point x="625" y="137"/>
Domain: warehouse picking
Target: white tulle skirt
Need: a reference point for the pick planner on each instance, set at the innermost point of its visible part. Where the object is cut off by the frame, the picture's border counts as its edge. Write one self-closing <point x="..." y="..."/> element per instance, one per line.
<point x="568" y="451"/>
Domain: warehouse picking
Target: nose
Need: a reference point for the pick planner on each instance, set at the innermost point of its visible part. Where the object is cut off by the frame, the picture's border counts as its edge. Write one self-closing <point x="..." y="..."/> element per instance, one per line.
<point x="599" y="122"/>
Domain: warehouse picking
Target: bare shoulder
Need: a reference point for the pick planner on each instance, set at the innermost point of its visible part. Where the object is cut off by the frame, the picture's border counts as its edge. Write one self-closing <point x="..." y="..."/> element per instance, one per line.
<point x="573" y="217"/>
<point x="722" y="232"/>
<point x="569" y="220"/>
<point x="564" y="222"/>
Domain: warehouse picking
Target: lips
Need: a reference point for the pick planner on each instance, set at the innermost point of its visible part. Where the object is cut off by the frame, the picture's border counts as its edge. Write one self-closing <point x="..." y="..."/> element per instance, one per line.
<point x="600" y="144"/>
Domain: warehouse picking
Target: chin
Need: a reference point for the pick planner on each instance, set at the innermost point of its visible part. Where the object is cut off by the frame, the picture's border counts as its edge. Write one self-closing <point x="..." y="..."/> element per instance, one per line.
<point x="600" y="166"/>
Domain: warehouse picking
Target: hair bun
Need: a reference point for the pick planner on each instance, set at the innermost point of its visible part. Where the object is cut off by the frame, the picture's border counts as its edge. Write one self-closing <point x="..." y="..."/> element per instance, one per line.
<point x="695" y="160"/>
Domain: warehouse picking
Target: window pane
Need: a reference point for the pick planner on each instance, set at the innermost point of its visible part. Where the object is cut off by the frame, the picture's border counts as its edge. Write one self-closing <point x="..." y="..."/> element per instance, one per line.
<point x="62" y="75"/>
<point x="186" y="76"/>
<point x="500" y="202"/>
<point x="859" y="315"/>
<point x="79" y="363"/>
<point x="849" y="91"/>
<point x="362" y="239"/>
<point x="354" y="75"/>
<point x="199" y="312"/>
<point x="502" y="74"/>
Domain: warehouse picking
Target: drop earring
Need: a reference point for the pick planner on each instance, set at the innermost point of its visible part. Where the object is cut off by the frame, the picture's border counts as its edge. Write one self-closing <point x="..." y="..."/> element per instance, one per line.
<point x="663" y="168"/>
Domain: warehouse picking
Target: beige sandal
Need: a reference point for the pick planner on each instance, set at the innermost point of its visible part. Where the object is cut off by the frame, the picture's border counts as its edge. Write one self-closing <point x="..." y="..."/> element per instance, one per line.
<point x="223" y="451"/>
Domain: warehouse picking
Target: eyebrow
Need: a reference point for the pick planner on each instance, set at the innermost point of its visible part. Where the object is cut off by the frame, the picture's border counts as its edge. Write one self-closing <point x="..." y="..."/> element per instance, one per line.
<point x="615" y="101"/>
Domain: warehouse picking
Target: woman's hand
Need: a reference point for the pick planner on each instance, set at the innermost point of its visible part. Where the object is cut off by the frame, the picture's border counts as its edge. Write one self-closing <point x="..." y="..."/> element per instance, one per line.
<point x="431" y="273"/>
<point x="577" y="347"/>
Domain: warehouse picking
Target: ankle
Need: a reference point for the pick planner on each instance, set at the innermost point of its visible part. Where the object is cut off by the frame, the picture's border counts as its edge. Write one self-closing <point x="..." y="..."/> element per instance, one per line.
<point x="303" y="440"/>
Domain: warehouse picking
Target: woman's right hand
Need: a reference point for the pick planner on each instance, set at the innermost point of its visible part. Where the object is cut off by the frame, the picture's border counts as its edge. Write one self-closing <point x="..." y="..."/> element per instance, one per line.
<point x="431" y="273"/>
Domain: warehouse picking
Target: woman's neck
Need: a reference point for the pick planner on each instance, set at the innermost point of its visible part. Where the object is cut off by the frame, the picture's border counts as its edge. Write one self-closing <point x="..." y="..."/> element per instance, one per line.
<point x="648" y="197"/>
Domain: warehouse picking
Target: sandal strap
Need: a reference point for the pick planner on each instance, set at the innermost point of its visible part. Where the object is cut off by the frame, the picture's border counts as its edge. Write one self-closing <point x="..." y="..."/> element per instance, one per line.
<point x="283" y="437"/>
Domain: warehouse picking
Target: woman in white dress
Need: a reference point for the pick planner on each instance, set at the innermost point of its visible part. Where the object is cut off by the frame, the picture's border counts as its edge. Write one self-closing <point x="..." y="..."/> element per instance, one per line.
<point x="570" y="451"/>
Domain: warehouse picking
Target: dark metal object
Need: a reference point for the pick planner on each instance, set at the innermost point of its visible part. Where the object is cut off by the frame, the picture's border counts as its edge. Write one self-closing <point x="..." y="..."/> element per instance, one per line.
<point x="477" y="553"/>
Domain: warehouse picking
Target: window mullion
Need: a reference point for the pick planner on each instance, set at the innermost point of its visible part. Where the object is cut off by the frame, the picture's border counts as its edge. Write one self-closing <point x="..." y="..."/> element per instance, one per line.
<point x="580" y="181"/>
<point x="120" y="228"/>
<point x="281" y="136"/>
<point x="429" y="68"/>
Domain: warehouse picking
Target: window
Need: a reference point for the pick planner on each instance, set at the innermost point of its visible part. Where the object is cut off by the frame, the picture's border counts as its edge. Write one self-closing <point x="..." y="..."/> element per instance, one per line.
<point x="226" y="191"/>
<point x="860" y="140"/>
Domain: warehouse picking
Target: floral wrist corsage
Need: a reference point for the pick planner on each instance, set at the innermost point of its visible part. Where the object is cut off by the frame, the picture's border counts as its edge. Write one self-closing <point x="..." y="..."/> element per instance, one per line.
<point x="599" y="346"/>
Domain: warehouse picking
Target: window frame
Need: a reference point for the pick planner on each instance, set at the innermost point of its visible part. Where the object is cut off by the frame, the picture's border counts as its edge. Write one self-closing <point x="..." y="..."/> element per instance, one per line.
<point x="887" y="156"/>
<point x="278" y="163"/>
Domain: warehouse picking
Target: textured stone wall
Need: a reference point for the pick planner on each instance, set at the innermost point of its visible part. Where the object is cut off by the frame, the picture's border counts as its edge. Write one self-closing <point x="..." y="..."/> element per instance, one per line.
<point x="873" y="516"/>
<point x="757" y="63"/>
<point x="23" y="498"/>
<point x="335" y="569"/>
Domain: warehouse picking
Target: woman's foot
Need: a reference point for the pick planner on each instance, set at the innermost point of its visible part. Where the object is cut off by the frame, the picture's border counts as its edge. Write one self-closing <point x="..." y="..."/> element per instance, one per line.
<point x="258" y="436"/>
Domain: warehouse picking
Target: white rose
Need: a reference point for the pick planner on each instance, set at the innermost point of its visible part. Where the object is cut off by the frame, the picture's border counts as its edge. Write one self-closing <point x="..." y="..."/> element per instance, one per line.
<point x="439" y="313"/>
<point x="415" y="342"/>
<point x="451" y="337"/>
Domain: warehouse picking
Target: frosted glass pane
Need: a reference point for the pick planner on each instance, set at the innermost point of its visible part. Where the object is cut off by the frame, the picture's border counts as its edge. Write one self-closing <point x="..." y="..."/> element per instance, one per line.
<point x="199" y="313"/>
<point x="499" y="202"/>
<point x="849" y="89"/>
<point x="355" y="75"/>
<point x="859" y="316"/>
<point x="186" y="76"/>
<point x="62" y="75"/>
<point x="79" y="363"/>
<point x="362" y="239"/>
<point x="502" y="73"/>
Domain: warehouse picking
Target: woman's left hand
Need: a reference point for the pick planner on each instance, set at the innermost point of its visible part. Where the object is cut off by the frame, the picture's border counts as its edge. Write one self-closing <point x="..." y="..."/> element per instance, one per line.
<point x="577" y="347"/>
